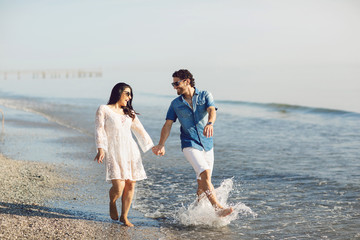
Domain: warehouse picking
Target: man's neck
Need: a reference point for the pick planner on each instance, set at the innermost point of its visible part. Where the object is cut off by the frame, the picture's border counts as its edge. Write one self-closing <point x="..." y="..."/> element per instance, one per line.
<point x="189" y="93"/>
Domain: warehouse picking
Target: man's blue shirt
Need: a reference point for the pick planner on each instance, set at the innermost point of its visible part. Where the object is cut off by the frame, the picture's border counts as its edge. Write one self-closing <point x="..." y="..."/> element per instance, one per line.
<point x="193" y="120"/>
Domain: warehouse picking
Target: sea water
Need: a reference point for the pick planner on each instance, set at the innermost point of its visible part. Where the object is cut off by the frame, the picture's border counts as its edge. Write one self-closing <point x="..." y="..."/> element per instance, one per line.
<point x="289" y="172"/>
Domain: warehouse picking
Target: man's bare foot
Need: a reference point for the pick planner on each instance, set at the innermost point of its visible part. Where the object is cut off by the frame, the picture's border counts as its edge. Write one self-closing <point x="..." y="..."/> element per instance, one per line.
<point x="126" y="222"/>
<point x="113" y="211"/>
<point x="223" y="212"/>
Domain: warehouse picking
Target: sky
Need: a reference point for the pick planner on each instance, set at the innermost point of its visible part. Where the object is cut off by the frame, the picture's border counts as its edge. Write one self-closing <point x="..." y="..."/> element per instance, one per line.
<point x="303" y="52"/>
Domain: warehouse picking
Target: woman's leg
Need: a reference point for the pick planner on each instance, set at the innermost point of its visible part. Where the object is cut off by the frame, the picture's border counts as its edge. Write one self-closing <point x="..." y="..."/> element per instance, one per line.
<point x="115" y="193"/>
<point x="126" y="202"/>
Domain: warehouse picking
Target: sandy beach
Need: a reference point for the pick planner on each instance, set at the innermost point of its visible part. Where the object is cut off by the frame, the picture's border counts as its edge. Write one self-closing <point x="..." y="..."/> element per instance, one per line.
<point x="26" y="186"/>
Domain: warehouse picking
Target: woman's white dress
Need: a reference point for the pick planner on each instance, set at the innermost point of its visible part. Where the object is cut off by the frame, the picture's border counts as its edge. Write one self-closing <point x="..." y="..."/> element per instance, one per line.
<point x="122" y="154"/>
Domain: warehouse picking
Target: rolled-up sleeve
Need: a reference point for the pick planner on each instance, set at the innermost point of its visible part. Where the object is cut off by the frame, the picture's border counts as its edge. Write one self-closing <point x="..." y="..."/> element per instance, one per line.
<point x="171" y="114"/>
<point x="210" y="102"/>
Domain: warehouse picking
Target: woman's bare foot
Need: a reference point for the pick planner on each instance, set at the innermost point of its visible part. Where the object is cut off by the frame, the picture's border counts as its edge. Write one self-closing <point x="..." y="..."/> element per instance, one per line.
<point x="113" y="211"/>
<point x="223" y="212"/>
<point x="126" y="222"/>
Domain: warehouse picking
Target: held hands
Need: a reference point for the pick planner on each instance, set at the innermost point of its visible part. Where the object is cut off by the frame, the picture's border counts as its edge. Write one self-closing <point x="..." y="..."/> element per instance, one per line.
<point x="100" y="155"/>
<point x="208" y="130"/>
<point x="159" y="150"/>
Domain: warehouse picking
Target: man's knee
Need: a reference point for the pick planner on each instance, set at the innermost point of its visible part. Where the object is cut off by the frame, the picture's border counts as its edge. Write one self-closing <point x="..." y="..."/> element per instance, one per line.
<point x="205" y="182"/>
<point x="205" y="176"/>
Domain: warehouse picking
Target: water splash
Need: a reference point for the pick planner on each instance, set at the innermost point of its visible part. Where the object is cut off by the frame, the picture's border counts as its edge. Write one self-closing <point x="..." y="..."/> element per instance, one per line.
<point x="203" y="213"/>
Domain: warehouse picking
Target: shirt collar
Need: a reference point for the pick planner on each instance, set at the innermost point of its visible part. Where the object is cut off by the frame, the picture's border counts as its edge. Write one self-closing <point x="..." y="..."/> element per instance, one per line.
<point x="195" y="93"/>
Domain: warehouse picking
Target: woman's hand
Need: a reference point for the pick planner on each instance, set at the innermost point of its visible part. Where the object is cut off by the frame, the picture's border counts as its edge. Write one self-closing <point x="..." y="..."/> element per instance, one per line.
<point x="100" y="155"/>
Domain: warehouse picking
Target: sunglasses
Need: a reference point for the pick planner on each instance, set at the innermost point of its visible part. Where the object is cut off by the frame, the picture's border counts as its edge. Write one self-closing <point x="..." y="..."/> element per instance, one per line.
<point x="175" y="84"/>
<point x="127" y="93"/>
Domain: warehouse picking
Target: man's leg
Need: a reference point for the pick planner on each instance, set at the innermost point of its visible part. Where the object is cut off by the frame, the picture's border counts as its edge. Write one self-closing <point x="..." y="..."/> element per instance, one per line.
<point x="202" y="162"/>
<point x="205" y="186"/>
<point x="199" y="191"/>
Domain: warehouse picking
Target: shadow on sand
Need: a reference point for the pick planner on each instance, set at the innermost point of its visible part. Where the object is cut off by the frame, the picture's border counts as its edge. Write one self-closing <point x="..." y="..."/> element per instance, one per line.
<point x="48" y="212"/>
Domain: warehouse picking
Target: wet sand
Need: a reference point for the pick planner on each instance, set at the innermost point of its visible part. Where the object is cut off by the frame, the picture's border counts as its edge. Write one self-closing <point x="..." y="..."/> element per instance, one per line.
<point x="26" y="187"/>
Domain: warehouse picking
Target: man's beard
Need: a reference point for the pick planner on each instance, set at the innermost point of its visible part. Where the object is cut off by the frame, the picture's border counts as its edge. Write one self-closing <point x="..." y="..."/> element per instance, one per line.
<point x="179" y="91"/>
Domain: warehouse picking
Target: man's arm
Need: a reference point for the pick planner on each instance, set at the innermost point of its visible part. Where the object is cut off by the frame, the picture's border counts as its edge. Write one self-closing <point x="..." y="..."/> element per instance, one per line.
<point x="209" y="128"/>
<point x="165" y="132"/>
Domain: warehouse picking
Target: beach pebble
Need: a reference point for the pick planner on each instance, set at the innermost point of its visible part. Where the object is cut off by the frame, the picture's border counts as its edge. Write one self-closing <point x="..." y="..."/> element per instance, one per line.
<point x="26" y="186"/>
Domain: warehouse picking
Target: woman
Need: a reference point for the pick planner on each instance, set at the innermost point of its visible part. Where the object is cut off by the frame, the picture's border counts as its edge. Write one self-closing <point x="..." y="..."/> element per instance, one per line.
<point x="114" y="124"/>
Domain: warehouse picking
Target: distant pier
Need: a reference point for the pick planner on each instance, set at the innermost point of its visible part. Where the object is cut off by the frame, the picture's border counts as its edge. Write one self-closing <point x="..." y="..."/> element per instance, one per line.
<point x="50" y="74"/>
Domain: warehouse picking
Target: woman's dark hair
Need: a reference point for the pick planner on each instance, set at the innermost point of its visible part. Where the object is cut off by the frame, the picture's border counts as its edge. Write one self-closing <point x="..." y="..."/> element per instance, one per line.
<point x="116" y="93"/>
<point x="185" y="74"/>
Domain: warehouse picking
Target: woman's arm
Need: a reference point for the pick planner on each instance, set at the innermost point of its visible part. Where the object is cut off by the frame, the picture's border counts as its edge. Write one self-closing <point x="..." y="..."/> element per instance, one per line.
<point x="100" y="135"/>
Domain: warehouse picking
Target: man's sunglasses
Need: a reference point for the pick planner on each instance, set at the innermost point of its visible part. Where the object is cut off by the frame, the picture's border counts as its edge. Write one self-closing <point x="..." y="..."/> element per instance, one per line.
<point x="175" y="84"/>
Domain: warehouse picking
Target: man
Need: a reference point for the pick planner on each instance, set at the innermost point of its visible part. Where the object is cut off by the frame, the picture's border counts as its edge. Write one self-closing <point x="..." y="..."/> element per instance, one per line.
<point x="196" y="112"/>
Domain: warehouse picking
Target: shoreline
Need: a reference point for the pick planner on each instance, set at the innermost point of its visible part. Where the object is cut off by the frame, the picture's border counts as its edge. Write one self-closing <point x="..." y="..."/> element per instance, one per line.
<point x="26" y="188"/>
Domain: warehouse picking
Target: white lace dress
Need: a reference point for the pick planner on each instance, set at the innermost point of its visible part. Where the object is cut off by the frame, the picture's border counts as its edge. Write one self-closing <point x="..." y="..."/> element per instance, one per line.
<point x="122" y="154"/>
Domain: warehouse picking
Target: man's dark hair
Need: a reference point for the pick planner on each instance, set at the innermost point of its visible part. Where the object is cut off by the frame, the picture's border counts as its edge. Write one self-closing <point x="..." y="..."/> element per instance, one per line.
<point x="185" y="74"/>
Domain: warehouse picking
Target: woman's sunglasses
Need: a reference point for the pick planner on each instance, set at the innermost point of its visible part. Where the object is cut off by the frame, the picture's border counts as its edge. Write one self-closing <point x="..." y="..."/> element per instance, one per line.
<point x="127" y="93"/>
<point x="175" y="84"/>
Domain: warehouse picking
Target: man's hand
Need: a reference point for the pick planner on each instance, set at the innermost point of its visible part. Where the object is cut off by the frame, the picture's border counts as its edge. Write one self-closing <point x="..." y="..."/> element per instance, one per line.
<point x="208" y="130"/>
<point x="100" y="155"/>
<point x="159" y="150"/>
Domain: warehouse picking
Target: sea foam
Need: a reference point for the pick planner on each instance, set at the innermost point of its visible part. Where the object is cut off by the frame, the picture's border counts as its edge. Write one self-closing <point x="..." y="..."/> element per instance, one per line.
<point x="203" y="213"/>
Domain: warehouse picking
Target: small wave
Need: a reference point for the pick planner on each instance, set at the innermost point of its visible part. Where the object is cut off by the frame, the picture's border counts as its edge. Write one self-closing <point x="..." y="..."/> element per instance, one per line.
<point x="305" y="109"/>
<point x="26" y="106"/>
<point x="281" y="107"/>
<point x="203" y="213"/>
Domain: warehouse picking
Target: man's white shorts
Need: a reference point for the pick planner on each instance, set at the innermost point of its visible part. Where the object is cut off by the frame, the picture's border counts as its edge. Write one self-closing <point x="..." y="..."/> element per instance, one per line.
<point x="199" y="160"/>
